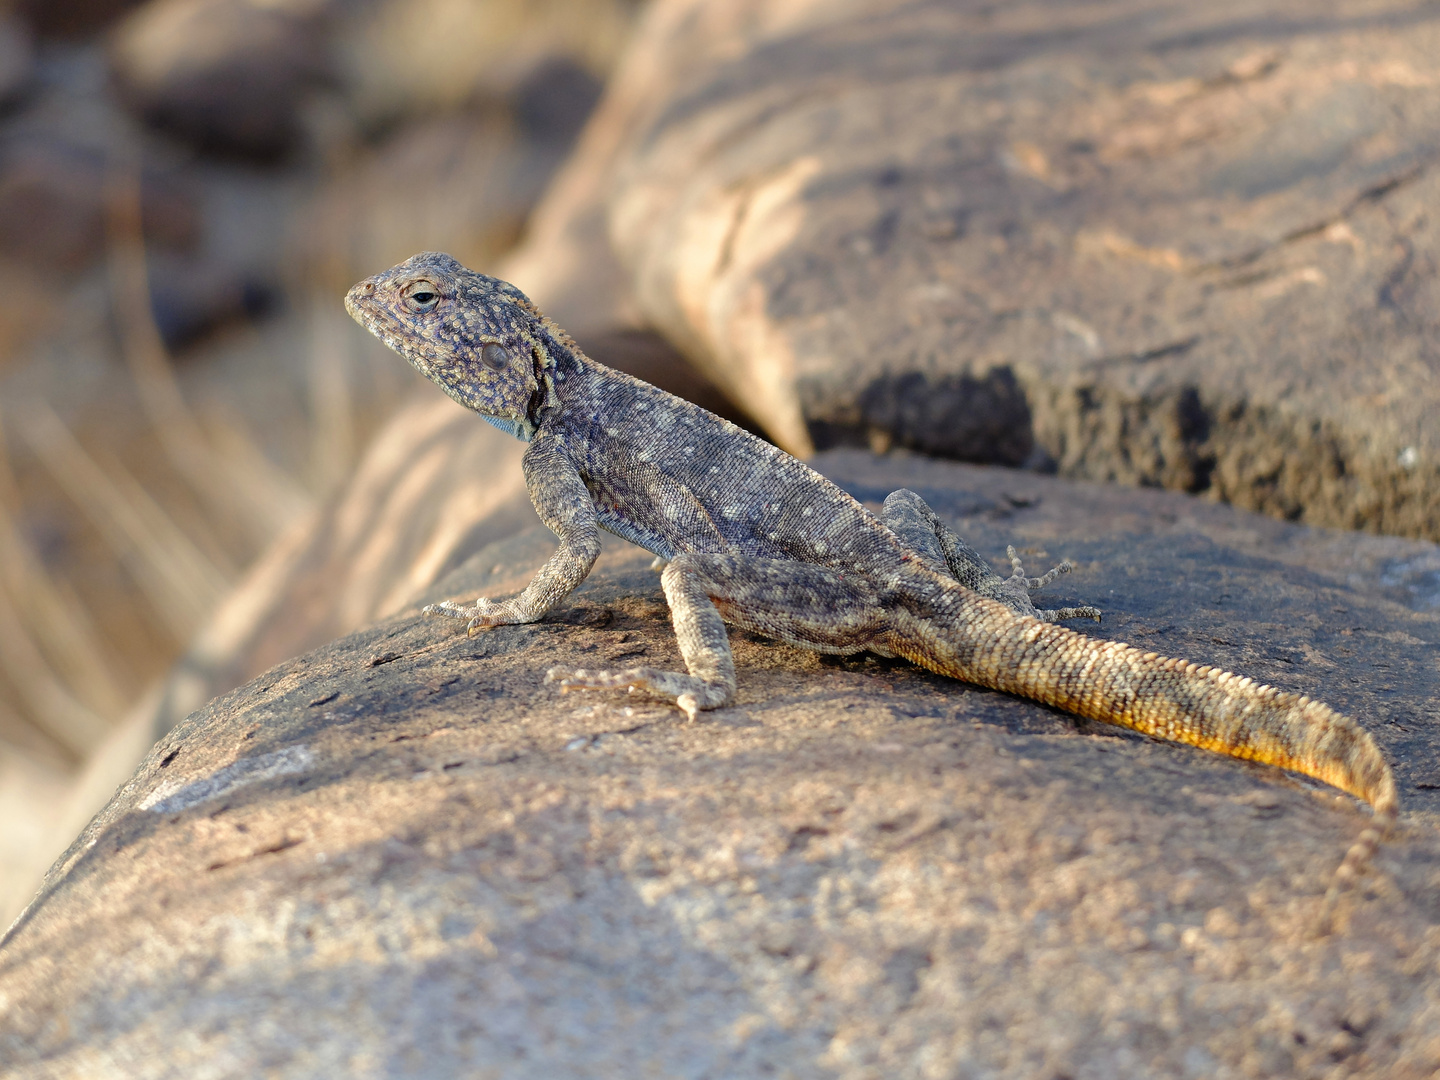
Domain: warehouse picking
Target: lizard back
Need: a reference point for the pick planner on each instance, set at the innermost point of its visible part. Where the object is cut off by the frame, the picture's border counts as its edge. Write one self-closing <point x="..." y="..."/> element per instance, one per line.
<point x="671" y="477"/>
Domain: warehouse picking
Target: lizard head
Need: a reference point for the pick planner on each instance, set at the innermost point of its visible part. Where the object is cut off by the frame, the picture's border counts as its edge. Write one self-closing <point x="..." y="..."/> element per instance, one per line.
<point x="480" y="339"/>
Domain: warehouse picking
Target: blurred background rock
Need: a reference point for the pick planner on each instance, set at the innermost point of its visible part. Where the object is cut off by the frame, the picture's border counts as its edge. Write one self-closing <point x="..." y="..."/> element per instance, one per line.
<point x="186" y="187"/>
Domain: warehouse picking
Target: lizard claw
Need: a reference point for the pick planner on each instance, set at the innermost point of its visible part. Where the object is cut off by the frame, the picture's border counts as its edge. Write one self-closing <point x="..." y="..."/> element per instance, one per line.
<point x="1030" y="584"/>
<point x="1033" y="583"/>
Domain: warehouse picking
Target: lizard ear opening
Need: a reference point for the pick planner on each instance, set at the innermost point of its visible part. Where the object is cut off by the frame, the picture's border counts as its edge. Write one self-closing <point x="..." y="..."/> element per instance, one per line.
<point x="495" y="356"/>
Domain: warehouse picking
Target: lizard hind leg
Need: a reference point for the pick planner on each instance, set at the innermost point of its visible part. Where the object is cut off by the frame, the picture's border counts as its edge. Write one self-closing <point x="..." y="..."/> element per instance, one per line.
<point x="814" y="607"/>
<point x="920" y="529"/>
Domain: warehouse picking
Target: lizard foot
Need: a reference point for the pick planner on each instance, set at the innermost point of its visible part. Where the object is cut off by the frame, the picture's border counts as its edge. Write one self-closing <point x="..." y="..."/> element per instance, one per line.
<point x="691" y="694"/>
<point x="1030" y="584"/>
<point x="481" y="615"/>
<point x="1058" y="614"/>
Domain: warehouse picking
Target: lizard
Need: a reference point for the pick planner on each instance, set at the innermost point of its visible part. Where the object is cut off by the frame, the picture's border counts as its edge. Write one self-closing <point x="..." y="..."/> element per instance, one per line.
<point x="746" y="535"/>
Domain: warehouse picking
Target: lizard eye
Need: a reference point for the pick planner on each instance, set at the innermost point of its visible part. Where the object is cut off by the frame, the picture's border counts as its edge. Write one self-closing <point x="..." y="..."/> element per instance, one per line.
<point x="495" y="356"/>
<point x="420" y="296"/>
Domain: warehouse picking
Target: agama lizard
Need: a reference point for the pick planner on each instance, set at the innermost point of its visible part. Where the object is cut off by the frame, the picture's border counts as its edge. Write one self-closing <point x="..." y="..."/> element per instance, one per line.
<point x="750" y="536"/>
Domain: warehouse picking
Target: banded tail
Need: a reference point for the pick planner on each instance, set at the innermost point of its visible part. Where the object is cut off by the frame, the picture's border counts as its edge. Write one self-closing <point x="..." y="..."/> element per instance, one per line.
<point x="1169" y="699"/>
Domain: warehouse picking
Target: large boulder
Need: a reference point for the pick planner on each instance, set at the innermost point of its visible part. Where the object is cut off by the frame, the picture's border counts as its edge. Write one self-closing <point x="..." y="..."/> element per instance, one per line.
<point x="53" y="207"/>
<point x="1177" y="245"/>
<point x="261" y="78"/>
<point x="226" y="75"/>
<point x="405" y="855"/>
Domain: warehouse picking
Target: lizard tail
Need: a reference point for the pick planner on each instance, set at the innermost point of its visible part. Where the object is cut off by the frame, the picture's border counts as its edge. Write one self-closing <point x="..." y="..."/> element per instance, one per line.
<point x="983" y="642"/>
<point x="1387" y="808"/>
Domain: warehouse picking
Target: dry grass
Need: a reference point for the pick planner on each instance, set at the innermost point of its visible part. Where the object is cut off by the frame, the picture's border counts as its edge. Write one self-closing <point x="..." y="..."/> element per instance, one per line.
<point x="237" y="493"/>
<point x="49" y="651"/>
<point x="63" y="687"/>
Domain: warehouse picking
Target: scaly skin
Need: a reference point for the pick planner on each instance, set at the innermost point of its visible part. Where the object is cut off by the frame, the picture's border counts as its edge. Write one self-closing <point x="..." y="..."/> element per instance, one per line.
<point x="754" y="538"/>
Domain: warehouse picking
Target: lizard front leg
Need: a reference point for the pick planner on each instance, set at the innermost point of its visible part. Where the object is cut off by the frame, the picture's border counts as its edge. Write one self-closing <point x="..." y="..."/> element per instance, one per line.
<point x="798" y="603"/>
<point x="709" y="679"/>
<point x="563" y="503"/>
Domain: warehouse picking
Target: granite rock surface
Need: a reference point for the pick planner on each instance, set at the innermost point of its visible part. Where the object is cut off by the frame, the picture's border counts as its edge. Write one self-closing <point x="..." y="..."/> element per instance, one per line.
<point x="403" y="854"/>
<point x="1180" y="246"/>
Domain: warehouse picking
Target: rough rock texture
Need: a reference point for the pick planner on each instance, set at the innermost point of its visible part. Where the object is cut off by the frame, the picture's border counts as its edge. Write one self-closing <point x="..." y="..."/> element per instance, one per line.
<point x="404" y="855"/>
<point x="111" y="569"/>
<point x="52" y="206"/>
<point x="254" y="77"/>
<point x="1188" y="246"/>
<point x="72" y="20"/>
<point x="225" y="75"/>
<point x="433" y="488"/>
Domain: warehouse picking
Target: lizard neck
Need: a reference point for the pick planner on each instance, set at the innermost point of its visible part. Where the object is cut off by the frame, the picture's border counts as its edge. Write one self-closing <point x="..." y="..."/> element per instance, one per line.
<point x="561" y="367"/>
<point x="557" y="359"/>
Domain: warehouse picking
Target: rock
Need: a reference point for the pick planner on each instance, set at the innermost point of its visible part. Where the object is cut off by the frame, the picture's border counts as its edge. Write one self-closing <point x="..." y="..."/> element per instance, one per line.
<point x="434" y="487"/>
<point x="193" y="297"/>
<point x="228" y="76"/>
<point x="1174" y="246"/>
<point x="554" y="100"/>
<point x="71" y="19"/>
<point x="390" y="65"/>
<point x="54" y="202"/>
<point x="17" y="58"/>
<point x="565" y="262"/>
<point x="52" y="206"/>
<point x="403" y="854"/>
<point x="461" y="181"/>
<point x="261" y="78"/>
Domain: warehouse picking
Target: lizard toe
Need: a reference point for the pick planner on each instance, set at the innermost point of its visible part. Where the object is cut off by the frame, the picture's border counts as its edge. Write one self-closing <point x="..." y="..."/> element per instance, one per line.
<point x="1056" y="615"/>
<point x="581" y="679"/>
<point x="692" y="695"/>
<point x="448" y="608"/>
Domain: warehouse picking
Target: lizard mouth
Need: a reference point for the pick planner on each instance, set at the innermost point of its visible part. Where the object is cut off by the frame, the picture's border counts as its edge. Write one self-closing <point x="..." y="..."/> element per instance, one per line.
<point x="361" y="305"/>
<point x="355" y="302"/>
